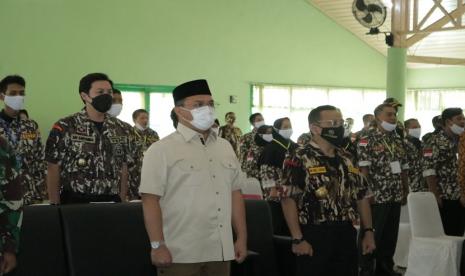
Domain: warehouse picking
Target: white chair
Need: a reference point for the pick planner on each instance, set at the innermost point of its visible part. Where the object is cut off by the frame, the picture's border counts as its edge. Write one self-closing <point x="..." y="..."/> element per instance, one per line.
<point x="403" y="239"/>
<point x="252" y="189"/>
<point x="431" y="253"/>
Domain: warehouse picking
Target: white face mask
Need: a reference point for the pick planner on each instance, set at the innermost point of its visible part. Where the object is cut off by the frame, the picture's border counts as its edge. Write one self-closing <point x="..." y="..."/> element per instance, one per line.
<point x="115" y="110"/>
<point x="14" y="102"/>
<point x="456" y="129"/>
<point x="139" y="127"/>
<point x="203" y="117"/>
<point x="415" y="132"/>
<point x="259" y="124"/>
<point x="267" y="137"/>
<point x="286" y="133"/>
<point x="388" y="126"/>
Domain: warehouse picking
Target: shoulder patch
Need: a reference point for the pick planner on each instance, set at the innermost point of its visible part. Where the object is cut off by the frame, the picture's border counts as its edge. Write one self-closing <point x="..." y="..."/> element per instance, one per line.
<point x="363" y="142"/>
<point x="427" y="152"/>
<point x="57" y="127"/>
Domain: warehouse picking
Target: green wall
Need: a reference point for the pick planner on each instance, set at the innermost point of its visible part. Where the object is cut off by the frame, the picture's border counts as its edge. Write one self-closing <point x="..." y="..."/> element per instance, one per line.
<point x="53" y="43"/>
<point x="440" y="77"/>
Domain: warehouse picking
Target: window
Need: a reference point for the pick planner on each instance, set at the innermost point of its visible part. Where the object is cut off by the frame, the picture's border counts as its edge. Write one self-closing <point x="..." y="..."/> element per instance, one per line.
<point x="295" y="102"/>
<point x="157" y="100"/>
<point x="424" y="104"/>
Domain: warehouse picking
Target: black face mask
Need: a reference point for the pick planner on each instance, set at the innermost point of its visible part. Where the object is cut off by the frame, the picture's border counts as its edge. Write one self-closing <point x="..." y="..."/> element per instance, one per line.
<point x="102" y="103"/>
<point x="334" y="135"/>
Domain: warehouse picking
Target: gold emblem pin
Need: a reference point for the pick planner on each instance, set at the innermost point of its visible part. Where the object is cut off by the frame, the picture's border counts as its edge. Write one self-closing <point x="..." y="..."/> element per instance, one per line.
<point x="82" y="162"/>
<point x="321" y="193"/>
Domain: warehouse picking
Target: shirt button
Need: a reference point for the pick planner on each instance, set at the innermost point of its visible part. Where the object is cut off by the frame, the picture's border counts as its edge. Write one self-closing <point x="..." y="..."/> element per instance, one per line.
<point x="221" y="225"/>
<point x="211" y="160"/>
<point x="217" y="193"/>
<point x="213" y="176"/>
<point x="219" y="209"/>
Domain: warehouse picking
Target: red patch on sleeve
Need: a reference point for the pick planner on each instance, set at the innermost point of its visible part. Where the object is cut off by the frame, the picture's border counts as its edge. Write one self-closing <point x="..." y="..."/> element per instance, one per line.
<point x="427" y="152"/>
<point x="57" y="127"/>
<point x="363" y="142"/>
<point x="290" y="163"/>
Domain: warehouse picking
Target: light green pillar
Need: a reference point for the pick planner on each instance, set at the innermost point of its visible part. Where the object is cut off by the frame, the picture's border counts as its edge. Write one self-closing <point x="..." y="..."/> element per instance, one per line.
<point x="396" y="75"/>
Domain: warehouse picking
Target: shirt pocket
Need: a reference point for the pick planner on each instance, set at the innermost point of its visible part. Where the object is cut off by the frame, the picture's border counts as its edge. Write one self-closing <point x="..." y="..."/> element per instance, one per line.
<point x="229" y="171"/>
<point x="190" y="172"/>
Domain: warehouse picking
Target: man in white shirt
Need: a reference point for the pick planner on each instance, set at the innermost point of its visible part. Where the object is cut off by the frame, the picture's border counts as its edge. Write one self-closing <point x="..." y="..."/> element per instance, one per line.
<point x="190" y="187"/>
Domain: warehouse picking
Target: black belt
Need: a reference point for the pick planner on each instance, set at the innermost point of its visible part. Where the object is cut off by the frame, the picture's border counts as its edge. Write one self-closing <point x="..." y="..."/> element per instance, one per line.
<point x="69" y="197"/>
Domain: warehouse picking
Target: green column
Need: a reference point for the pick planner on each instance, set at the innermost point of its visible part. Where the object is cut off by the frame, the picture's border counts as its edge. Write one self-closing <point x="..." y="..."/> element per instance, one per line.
<point x="396" y="75"/>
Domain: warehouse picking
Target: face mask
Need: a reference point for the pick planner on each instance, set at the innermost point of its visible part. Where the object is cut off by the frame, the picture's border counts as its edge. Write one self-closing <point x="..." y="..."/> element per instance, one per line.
<point x="139" y="127"/>
<point x="203" y="117"/>
<point x="267" y="137"/>
<point x="285" y="133"/>
<point x="456" y="129"/>
<point x="216" y="130"/>
<point x="15" y="102"/>
<point x="415" y="132"/>
<point x="115" y="110"/>
<point x="258" y="124"/>
<point x="334" y="135"/>
<point x="102" y="103"/>
<point x="388" y="126"/>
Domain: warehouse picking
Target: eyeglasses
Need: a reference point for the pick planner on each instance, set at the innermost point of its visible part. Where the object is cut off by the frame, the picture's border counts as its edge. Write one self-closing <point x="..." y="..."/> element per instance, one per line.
<point x="202" y="104"/>
<point x="332" y="123"/>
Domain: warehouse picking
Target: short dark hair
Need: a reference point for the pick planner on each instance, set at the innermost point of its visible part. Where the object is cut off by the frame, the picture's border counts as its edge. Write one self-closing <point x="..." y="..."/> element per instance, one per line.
<point x="279" y="122"/>
<point x="116" y="91"/>
<point x="86" y="82"/>
<point x="217" y="122"/>
<point x="436" y="121"/>
<point x="381" y="107"/>
<point x="365" y="117"/>
<point x="174" y="118"/>
<point x="253" y="116"/>
<point x="449" y="113"/>
<point x="11" y="79"/>
<point x="315" y="115"/>
<point x="409" y="121"/>
<point x="229" y="113"/>
<point x="136" y="113"/>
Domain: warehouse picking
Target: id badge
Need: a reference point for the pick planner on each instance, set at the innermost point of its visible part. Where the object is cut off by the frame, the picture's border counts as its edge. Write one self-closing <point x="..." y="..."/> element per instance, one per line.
<point x="395" y="167"/>
<point x="249" y="157"/>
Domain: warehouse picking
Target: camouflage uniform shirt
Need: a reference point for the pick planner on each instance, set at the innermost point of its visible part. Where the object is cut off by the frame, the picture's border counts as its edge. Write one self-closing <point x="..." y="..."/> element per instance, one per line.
<point x="24" y="138"/>
<point x="91" y="160"/>
<point x="308" y="173"/>
<point x="385" y="156"/>
<point x="11" y="199"/>
<point x="416" y="181"/>
<point x="440" y="159"/>
<point x="232" y="135"/>
<point x="249" y="154"/>
<point x="304" y="139"/>
<point x="141" y="141"/>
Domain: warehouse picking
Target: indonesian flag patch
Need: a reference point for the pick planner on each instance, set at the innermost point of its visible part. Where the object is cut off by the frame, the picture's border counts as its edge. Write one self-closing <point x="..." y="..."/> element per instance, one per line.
<point x="363" y="142"/>
<point x="427" y="152"/>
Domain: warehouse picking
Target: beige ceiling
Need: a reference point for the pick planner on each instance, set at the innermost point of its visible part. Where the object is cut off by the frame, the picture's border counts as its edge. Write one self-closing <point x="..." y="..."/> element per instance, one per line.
<point x="444" y="44"/>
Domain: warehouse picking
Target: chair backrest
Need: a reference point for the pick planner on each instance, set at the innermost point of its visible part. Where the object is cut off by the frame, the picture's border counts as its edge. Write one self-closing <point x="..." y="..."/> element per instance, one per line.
<point x="41" y="247"/>
<point x="260" y="235"/>
<point x="425" y="219"/>
<point x="106" y="239"/>
<point x="404" y="215"/>
<point x="252" y="189"/>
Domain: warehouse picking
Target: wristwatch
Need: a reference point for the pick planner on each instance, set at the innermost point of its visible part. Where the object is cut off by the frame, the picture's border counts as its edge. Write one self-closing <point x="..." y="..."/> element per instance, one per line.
<point x="156" y="244"/>
<point x="297" y="241"/>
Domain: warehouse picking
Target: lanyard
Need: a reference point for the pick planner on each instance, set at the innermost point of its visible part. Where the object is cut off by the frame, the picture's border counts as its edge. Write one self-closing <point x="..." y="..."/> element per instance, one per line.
<point x="282" y="145"/>
<point x="390" y="149"/>
<point x="144" y="137"/>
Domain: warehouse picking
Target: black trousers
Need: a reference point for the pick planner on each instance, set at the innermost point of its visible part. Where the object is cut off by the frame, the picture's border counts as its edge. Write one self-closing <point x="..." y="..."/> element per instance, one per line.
<point x="453" y="217"/>
<point x="277" y="219"/>
<point x="334" y="251"/>
<point x="67" y="197"/>
<point x="386" y="218"/>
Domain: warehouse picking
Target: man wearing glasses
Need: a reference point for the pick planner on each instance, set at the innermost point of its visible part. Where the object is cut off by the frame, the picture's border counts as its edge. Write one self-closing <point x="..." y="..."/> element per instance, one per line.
<point x="190" y="189"/>
<point x="323" y="192"/>
<point x="383" y="160"/>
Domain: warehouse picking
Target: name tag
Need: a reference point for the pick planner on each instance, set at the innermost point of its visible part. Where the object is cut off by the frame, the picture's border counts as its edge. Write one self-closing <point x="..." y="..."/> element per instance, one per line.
<point x="427" y="152"/>
<point x="363" y="142"/>
<point x="28" y="135"/>
<point x="82" y="138"/>
<point x="316" y="170"/>
<point x="395" y="167"/>
<point x="118" y="140"/>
